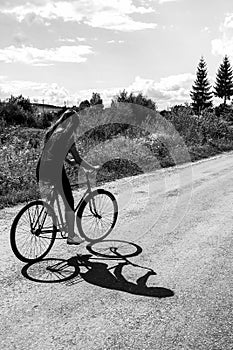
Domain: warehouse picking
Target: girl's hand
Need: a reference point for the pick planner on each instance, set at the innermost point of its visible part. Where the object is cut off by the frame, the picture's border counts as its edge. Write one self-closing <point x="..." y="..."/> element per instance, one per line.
<point x="70" y="161"/>
<point x="96" y="167"/>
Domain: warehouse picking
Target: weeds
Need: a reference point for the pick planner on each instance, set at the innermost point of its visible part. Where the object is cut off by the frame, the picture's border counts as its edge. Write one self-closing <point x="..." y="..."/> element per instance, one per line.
<point x="121" y="150"/>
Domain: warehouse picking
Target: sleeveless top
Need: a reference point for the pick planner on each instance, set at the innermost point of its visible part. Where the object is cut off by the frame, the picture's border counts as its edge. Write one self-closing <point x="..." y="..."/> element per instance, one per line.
<point x="50" y="165"/>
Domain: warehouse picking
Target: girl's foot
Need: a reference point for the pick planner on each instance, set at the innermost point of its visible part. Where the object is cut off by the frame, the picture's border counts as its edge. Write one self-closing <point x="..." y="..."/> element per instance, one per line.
<point x="75" y="240"/>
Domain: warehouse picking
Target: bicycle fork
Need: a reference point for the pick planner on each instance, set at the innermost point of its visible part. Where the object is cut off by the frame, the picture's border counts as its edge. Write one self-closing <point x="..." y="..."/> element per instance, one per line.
<point x="93" y="209"/>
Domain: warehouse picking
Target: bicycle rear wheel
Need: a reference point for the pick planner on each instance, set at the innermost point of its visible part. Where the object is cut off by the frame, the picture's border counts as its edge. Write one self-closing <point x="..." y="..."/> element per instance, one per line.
<point x="33" y="231"/>
<point x="97" y="215"/>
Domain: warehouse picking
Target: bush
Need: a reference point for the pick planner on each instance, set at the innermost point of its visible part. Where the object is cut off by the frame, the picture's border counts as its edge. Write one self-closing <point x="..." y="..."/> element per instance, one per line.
<point x="17" y="111"/>
<point x="225" y="112"/>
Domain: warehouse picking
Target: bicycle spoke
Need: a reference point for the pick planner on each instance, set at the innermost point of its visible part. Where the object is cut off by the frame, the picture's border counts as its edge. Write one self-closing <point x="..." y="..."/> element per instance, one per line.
<point x="97" y="216"/>
<point x="33" y="232"/>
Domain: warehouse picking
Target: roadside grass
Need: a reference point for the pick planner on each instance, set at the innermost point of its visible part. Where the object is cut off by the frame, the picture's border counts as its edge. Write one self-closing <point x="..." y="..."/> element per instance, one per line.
<point x="119" y="156"/>
<point x="19" y="151"/>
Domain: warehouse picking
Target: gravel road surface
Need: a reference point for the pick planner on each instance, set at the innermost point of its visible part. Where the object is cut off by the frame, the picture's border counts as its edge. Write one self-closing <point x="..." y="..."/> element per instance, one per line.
<point x="182" y="220"/>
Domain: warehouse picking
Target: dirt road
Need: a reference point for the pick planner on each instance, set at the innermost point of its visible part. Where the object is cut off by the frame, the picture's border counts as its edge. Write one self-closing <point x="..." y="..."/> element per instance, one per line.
<point x="183" y="221"/>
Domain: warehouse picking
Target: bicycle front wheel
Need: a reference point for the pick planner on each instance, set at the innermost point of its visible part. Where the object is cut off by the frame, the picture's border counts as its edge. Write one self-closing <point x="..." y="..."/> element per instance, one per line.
<point x="97" y="215"/>
<point x="33" y="231"/>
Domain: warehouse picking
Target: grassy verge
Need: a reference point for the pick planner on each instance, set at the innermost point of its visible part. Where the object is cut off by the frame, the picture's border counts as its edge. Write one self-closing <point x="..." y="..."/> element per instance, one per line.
<point x="120" y="157"/>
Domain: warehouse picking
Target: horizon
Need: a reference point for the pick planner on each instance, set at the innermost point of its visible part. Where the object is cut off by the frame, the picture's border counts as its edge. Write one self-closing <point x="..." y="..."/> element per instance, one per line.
<point x="61" y="52"/>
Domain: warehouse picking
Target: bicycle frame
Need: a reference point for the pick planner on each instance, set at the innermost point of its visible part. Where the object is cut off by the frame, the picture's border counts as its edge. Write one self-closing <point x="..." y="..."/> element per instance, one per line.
<point x="54" y="199"/>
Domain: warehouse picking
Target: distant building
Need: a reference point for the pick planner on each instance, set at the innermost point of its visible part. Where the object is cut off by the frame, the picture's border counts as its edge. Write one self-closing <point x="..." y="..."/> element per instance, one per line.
<point x="46" y="108"/>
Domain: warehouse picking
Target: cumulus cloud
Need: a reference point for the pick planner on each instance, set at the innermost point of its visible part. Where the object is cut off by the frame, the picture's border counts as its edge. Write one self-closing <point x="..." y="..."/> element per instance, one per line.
<point x="49" y="93"/>
<point x="57" y="95"/>
<point x="35" y="56"/>
<point x="224" y="45"/>
<point x="114" y="15"/>
<point x="166" y="92"/>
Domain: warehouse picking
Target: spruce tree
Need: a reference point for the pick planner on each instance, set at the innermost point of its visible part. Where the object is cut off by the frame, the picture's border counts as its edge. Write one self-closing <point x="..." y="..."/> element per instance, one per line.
<point x="200" y="94"/>
<point x="224" y="81"/>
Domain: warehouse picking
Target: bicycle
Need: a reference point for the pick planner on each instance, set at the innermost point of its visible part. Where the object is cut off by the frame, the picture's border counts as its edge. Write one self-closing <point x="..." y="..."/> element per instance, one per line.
<point x="35" y="227"/>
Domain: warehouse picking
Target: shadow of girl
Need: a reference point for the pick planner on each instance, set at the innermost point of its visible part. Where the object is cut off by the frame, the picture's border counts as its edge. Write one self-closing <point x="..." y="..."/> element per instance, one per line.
<point x="99" y="274"/>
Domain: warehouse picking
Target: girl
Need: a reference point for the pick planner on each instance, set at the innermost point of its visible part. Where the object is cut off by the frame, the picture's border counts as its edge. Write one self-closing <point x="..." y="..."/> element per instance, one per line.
<point x="59" y="144"/>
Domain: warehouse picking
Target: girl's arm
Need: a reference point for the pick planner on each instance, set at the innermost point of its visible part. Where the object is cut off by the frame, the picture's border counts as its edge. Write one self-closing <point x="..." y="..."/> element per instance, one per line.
<point x="79" y="160"/>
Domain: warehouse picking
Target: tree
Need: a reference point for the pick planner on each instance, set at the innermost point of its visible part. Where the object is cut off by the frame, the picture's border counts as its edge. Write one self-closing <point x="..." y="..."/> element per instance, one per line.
<point x="139" y="99"/>
<point x="136" y="102"/>
<point x="22" y="102"/>
<point x="18" y="111"/>
<point x="224" y="81"/>
<point x="96" y="100"/>
<point x="84" y="104"/>
<point x="200" y="94"/>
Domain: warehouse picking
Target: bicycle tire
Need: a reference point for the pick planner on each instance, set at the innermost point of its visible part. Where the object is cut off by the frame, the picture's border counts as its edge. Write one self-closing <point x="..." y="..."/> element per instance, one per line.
<point x="115" y="249"/>
<point x="98" y="210"/>
<point x="38" y="240"/>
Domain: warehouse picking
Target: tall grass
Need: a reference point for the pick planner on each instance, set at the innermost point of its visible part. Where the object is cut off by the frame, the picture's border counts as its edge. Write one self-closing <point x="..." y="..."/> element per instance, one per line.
<point x="19" y="152"/>
<point x="123" y="148"/>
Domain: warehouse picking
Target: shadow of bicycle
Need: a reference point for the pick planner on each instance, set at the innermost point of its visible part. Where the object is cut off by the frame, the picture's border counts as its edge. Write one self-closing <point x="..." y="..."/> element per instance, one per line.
<point x="103" y="267"/>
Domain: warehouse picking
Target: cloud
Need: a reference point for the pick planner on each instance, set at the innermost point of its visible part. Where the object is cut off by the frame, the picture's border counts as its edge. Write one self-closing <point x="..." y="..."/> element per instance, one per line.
<point x="72" y="40"/>
<point x="46" y="10"/>
<point x="66" y="40"/>
<point x="163" y="1"/>
<point x="20" y="39"/>
<point x="113" y="15"/>
<point x="170" y="90"/>
<point x="57" y="95"/>
<point x="35" y="56"/>
<point x="206" y="29"/>
<point x="117" y="21"/>
<point x="80" y="39"/>
<point x="115" y="41"/>
<point x="166" y="92"/>
<point x="49" y="93"/>
<point x="17" y="86"/>
<point x="224" y="45"/>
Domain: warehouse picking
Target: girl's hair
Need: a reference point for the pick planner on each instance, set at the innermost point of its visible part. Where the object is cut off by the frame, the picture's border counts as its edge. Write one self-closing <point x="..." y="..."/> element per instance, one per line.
<point x="62" y="117"/>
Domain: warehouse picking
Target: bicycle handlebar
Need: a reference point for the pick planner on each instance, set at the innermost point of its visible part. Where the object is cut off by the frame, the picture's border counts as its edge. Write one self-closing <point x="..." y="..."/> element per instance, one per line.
<point x="87" y="173"/>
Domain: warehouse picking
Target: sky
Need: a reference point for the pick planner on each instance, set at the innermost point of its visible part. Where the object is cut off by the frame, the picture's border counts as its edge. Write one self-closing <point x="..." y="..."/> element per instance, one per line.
<point x="59" y="52"/>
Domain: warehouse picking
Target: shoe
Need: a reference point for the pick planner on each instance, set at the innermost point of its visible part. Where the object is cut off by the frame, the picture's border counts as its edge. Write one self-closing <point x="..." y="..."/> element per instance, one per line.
<point x="75" y="240"/>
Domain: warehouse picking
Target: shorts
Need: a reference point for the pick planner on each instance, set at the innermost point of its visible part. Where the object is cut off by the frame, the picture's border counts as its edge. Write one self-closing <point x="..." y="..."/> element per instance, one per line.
<point x="62" y="187"/>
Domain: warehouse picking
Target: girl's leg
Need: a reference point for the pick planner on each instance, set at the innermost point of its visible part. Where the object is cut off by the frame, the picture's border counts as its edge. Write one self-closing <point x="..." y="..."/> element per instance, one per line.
<point x="70" y="217"/>
<point x="69" y="211"/>
<point x="72" y="238"/>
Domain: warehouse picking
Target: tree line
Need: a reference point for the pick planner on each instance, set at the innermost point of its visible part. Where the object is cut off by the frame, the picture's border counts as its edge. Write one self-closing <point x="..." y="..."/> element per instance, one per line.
<point x="202" y="93"/>
<point x="20" y="111"/>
